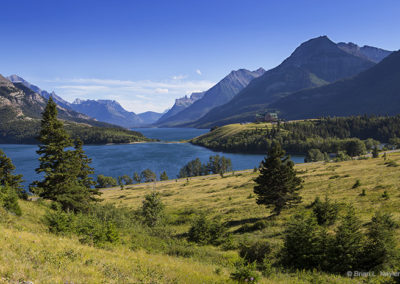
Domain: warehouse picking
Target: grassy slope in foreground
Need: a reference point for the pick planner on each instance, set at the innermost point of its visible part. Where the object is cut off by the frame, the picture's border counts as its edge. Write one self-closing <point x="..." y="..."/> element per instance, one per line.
<point x="28" y="252"/>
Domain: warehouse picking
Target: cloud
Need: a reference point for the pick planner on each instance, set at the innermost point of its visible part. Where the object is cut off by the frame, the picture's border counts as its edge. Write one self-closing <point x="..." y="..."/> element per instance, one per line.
<point x="179" y="77"/>
<point x="136" y="96"/>
<point x="198" y="71"/>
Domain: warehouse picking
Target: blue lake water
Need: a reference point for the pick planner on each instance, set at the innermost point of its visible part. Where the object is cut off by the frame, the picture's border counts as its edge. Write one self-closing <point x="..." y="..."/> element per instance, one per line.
<point x="171" y="134"/>
<point x="117" y="160"/>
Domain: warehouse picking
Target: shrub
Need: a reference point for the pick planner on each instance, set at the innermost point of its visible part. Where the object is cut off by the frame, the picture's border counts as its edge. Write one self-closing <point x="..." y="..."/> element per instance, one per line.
<point x="148" y="176"/>
<point x="357" y="184"/>
<point x="205" y="231"/>
<point x="9" y="200"/>
<point x="152" y="209"/>
<point x="325" y="211"/>
<point x="245" y="273"/>
<point x="255" y="251"/>
<point x="104" y="181"/>
<point x="59" y="221"/>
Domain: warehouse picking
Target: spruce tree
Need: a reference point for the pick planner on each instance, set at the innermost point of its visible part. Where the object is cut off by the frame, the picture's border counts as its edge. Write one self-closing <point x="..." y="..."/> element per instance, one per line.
<point x="277" y="183"/>
<point x="164" y="176"/>
<point x="66" y="171"/>
<point x="8" y="178"/>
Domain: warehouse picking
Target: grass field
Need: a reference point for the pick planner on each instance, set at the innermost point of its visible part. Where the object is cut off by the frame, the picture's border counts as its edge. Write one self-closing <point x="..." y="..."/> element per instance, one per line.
<point x="29" y="253"/>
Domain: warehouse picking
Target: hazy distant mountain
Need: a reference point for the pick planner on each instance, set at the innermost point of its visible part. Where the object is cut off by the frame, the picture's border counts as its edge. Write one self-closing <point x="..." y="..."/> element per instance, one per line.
<point x="219" y="94"/>
<point x="375" y="91"/>
<point x="371" y="53"/>
<point x="109" y="111"/>
<point x="58" y="100"/>
<point x="149" y="117"/>
<point x="314" y="63"/>
<point x="180" y="104"/>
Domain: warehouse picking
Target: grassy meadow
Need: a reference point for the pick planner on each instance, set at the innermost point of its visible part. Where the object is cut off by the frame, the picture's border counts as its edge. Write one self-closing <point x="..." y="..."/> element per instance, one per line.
<point x="28" y="252"/>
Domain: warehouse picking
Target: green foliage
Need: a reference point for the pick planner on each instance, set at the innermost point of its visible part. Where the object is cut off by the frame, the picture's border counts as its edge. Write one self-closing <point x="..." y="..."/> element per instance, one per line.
<point x="104" y="181"/>
<point x="152" y="209"/>
<point x="148" y="176"/>
<point x="356" y="184"/>
<point x="347" y="249"/>
<point x="66" y="172"/>
<point x="303" y="242"/>
<point x="342" y="156"/>
<point x="90" y="228"/>
<point x="380" y="252"/>
<point x="8" y="178"/>
<point x="277" y="184"/>
<point x="136" y="177"/>
<point x="193" y="168"/>
<point x="315" y="155"/>
<point x="205" y="231"/>
<point x="245" y="272"/>
<point x="216" y="165"/>
<point x="127" y="180"/>
<point x="375" y="152"/>
<point x="9" y="199"/>
<point x="164" y="176"/>
<point x="325" y="211"/>
<point x="330" y="135"/>
<point x="255" y="251"/>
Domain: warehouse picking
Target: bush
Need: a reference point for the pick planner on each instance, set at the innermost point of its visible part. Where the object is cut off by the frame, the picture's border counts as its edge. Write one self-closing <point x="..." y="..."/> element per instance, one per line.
<point x="315" y="155"/>
<point x="148" y="176"/>
<point x="245" y="273"/>
<point x="104" y="181"/>
<point x="205" y="231"/>
<point x="325" y="211"/>
<point x="9" y="200"/>
<point x="152" y="209"/>
<point x="357" y="184"/>
<point x="255" y="251"/>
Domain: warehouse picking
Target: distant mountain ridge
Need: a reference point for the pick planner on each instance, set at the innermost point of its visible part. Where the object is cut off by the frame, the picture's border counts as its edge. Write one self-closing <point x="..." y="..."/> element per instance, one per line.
<point x="374" y="91"/>
<point x="58" y="100"/>
<point x="107" y="111"/>
<point x="180" y="104"/>
<point x="371" y="53"/>
<point x="218" y="95"/>
<point x="314" y="63"/>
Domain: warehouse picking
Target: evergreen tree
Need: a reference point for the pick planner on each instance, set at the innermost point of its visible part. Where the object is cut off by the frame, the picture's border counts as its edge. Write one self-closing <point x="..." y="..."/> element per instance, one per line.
<point x="66" y="171"/>
<point x="148" y="176"/>
<point x="9" y="199"/>
<point x="136" y="177"/>
<point x="375" y="152"/>
<point x="277" y="183"/>
<point x="164" y="176"/>
<point x="152" y="209"/>
<point x="347" y="249"/>
<point x="381" y="250"/>
<point x="8" y="178"/>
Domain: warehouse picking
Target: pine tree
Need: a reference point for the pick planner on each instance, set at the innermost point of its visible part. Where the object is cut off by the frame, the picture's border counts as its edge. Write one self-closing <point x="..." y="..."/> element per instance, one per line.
<point x="66" y="171"/>
<point x="8" y="178"/>
<point x="375" y="152"/>
<point x="164" y="176"/>
<point x="347" y="249"/>
<point x="277" y="184"/>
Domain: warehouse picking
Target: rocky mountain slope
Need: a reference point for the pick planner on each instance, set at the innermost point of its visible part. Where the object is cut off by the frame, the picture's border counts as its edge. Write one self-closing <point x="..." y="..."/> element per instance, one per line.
<point x="218" y="95"/>
<point x="375" y="91"/>
<point x="314" y="63"/>
<point x="180" y="105"/>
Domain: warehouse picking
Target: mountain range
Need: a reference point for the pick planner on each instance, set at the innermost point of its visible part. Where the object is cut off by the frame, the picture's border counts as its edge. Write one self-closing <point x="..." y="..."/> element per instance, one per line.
<point x="218" y="95"/>
<point x="20" y="114"/>
<point x="108" y="111"/>
<point x="374" y="91"/>
<point x="180" y="105"/>
<point x="314" y="63"/>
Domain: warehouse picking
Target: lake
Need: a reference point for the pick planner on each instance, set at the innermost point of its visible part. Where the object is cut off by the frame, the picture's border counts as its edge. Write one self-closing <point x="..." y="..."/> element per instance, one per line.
<point x="118" y="160"/>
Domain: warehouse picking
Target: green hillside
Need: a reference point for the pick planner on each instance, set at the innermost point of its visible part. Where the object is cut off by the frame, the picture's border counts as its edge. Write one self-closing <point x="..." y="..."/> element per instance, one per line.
<point x="29" y="252"/>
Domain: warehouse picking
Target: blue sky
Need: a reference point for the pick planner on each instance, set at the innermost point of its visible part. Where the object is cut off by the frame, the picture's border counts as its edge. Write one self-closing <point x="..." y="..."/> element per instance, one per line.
<point x="147" y="53"/>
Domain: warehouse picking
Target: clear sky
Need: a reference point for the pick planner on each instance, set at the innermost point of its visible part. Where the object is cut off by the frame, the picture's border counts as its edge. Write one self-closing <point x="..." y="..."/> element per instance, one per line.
<point x="147" y="53"/>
